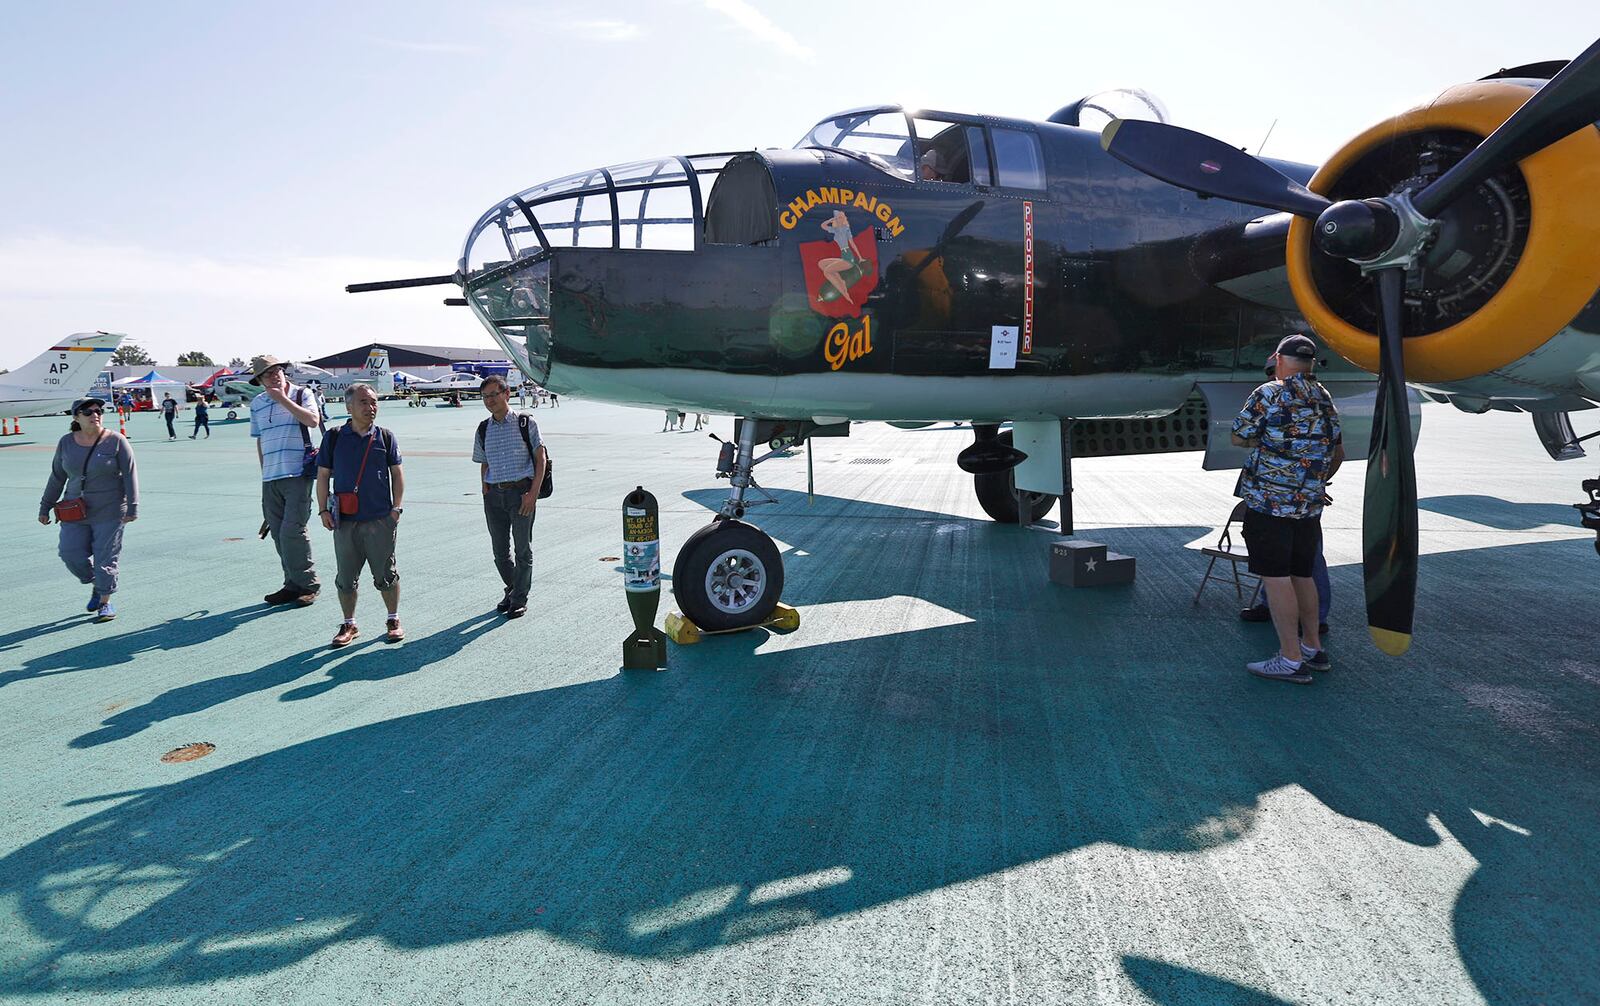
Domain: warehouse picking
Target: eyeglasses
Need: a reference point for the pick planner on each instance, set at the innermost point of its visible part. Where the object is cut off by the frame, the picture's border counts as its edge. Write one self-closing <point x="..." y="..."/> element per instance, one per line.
<point x="91" y="412"/>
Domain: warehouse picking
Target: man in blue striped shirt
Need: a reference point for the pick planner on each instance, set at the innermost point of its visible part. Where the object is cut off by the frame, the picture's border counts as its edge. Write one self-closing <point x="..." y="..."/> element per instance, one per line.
<point x="281" y="418"/>
<point x="511" y="462"/>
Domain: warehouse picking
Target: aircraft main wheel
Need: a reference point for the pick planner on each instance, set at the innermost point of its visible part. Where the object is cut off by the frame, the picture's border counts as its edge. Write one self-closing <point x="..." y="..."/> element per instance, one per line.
<point x="728" y="575"/>
<point x="997" y="494"/>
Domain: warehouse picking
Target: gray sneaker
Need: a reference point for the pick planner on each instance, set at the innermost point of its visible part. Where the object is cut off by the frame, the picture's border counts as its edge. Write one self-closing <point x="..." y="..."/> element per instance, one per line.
<point x="1275" y="668"/>
<point x="1315" y="660"/>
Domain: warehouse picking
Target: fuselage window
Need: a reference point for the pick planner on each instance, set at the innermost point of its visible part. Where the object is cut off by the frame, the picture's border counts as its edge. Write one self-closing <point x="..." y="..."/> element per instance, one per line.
<point x="943" y="154"/>
<point x="978" y="147"/>
<point x="1017" y="159"/>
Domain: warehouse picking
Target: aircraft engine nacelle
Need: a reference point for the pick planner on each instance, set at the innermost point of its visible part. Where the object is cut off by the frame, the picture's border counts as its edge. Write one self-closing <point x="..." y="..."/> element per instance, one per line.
<point x="1515" y="263"/>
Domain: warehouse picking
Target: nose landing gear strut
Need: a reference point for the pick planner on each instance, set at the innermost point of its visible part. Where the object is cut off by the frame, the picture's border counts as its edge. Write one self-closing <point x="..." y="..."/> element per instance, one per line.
<point x="729" y="575"/>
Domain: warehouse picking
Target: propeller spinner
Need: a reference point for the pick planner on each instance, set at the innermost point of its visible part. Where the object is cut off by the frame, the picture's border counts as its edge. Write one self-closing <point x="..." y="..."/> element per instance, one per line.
<point x="1385" y="235"/>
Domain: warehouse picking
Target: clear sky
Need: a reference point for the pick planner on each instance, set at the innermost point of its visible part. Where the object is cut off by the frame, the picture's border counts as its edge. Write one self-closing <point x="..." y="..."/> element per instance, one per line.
<point x="208" y="176"/>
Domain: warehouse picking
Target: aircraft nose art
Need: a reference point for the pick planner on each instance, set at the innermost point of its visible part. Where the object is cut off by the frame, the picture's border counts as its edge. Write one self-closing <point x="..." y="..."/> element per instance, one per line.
<point x="512" y="251"/>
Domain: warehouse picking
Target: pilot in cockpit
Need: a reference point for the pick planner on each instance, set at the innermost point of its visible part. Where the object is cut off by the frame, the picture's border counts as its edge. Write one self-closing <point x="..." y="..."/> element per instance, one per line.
<point x="932" y="167"/>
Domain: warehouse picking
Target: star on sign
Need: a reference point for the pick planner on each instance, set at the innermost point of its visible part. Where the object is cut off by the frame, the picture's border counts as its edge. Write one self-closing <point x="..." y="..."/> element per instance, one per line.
<point x="1088" y="567"/>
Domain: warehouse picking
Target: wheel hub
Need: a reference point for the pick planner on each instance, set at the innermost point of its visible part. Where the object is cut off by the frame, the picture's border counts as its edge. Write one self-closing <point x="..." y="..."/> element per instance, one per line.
<point x="735" y="581"/>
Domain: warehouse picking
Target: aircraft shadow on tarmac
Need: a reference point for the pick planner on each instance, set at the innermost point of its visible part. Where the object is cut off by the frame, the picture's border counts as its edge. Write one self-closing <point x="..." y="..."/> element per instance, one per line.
<point x="1172" y="985"/>
<point x="1492" y="511"/>
<point x="749" y="791"/>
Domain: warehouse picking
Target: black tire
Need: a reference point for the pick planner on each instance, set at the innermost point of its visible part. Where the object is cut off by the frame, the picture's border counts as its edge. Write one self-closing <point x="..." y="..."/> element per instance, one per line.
<point x="700" y="576"/>
<point x="997" y="494"/>
<point x="233" y="414"/>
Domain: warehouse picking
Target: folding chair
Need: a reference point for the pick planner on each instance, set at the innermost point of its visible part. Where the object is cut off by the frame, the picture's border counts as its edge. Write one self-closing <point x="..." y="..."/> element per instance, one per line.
<point x="1225" y="551"/>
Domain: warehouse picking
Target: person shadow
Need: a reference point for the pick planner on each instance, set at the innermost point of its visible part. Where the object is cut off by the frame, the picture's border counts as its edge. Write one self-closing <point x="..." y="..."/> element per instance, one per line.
<point x="380" y="660"/>
<point x="376" y="662"/>
<point x="11" y="640"/>
<point x="193" y="629"/>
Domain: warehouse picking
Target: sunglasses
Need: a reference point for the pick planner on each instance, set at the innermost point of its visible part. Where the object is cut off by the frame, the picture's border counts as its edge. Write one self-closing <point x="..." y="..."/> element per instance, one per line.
<point x="91" y="412"/>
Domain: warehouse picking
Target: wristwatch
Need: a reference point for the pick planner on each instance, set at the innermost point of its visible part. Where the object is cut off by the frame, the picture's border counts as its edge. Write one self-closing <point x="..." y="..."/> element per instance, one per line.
<point x="397" y="509"/>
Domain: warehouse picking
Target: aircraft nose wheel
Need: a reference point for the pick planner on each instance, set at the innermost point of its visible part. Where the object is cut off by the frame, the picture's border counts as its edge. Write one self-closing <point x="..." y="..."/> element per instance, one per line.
<point x="728" y="575"/>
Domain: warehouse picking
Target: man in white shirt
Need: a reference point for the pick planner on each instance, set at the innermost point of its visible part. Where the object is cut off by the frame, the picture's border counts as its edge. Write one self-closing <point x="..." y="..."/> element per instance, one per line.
<point x="281" y="420"/>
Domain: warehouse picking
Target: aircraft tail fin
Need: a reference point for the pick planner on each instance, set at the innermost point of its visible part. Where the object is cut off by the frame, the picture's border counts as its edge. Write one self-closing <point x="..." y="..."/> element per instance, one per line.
<point x="67" y="369"/>
<point x="377" y="369"/>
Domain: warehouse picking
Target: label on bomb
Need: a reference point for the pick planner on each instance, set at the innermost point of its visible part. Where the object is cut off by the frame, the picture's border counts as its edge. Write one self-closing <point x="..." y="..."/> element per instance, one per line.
<point x="641" y="550"/>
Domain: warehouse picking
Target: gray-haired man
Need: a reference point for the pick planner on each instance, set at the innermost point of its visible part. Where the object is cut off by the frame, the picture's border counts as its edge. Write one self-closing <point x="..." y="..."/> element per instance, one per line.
<point x="281" y="418"/>
<point x="511" y="461"/>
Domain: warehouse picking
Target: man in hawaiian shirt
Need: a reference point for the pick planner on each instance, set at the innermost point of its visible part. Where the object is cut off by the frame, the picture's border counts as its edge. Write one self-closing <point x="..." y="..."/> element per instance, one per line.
<point x="1294" y="429"/>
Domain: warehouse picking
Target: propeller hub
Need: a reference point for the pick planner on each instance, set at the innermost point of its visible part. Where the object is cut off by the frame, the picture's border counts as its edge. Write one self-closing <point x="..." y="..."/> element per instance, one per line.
<point x="1357" y="229"/>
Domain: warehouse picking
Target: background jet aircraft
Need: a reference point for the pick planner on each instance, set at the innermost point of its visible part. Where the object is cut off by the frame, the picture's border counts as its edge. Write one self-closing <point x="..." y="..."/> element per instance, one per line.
<point x="915" y="265"/>
<point x="376" y="373"/>
<point x="48" y="384"/>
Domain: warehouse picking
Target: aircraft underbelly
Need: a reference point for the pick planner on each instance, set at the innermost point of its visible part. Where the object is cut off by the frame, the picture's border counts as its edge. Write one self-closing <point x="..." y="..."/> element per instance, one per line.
<point x="880" y="396"/>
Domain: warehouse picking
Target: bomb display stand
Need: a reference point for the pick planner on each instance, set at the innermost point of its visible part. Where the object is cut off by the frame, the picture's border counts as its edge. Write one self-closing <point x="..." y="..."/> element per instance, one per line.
<point x="645" y="648"/>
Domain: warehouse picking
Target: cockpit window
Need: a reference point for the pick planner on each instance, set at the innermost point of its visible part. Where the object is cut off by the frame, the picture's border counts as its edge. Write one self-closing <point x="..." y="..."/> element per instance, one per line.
<point x="1017" y="158"/>
<point x="951" y="152"/>
<point x="881" y="138"/>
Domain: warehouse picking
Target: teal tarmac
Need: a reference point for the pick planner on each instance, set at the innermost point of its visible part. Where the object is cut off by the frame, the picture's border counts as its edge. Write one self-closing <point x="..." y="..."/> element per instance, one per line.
<point x="955" y="783"/>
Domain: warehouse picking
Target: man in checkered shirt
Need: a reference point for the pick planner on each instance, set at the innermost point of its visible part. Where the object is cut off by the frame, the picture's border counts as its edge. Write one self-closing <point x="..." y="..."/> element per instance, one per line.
<point x="511" y="460"/>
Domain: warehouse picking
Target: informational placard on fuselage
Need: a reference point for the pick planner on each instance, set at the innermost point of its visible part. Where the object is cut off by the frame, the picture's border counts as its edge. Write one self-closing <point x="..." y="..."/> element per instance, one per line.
<point x="1003" y="347"/>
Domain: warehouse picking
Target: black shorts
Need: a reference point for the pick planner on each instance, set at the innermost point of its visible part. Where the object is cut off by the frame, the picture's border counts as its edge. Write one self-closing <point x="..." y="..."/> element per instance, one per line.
<point x="1282" y="546"/>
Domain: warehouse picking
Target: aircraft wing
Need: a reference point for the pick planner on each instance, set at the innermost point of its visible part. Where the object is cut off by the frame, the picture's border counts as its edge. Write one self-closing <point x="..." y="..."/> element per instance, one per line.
<point x="1248" y="260"/>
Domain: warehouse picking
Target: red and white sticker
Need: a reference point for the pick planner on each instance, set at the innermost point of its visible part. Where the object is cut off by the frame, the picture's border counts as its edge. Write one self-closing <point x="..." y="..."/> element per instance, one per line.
<point x="1027" y="277"/>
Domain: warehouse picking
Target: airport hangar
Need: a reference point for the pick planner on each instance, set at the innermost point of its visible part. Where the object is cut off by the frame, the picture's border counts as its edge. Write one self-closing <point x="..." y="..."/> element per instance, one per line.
<point x="424" y="361"/>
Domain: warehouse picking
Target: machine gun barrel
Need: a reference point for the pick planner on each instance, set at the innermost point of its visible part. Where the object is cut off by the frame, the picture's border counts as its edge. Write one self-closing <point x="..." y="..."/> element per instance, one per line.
<point x="401" y="284"/>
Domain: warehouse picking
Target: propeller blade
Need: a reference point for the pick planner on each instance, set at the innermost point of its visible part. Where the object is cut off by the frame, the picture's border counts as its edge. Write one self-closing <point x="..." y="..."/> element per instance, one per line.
<point x="957" y="224"/>
<point x="1206" y="165"/>
<point x="1389" y="510"/>
<point x="1567" y="103"/>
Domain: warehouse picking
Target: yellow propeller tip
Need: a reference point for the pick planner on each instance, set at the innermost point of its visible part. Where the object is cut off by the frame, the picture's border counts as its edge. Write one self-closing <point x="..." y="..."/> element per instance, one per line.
<point x="1391" y="642"/>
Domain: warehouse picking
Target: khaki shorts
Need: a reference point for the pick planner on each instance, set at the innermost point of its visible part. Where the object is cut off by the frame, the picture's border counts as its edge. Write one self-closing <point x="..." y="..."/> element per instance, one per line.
<point x="365" y="542"/>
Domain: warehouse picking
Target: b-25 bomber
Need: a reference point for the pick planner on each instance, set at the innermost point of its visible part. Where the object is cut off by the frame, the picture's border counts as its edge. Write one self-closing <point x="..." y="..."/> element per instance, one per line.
<point x="1105" y="292"/>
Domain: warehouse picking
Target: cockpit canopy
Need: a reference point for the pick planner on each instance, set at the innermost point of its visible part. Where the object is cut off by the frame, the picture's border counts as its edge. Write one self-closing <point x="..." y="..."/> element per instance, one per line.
<point x="880" y="136"/>
<point x="935" y="146"/>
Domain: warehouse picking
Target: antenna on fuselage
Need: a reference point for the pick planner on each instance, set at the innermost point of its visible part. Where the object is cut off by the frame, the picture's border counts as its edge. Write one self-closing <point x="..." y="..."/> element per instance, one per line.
<point x="1264" y="139"/>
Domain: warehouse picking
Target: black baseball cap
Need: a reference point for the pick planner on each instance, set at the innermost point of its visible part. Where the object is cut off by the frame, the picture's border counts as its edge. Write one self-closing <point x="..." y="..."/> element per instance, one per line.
<point x="90" y="400"/>
<point x="1298" y="346"/>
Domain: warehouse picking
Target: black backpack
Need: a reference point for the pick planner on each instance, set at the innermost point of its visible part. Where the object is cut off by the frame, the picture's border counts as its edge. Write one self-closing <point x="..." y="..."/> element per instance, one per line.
<point x="549" y="484"/>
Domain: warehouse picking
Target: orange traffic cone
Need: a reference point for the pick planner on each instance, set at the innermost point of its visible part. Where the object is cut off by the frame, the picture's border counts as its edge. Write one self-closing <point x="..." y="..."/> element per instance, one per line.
<point x="122" y="425"/>
<point x="5" y="431"/>
<point x="16" y="426"/>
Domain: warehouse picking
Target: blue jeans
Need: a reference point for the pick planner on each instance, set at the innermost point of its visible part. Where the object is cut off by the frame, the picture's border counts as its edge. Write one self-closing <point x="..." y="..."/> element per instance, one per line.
<point x="511" y="541"/>
<point x="1319" y="576"/>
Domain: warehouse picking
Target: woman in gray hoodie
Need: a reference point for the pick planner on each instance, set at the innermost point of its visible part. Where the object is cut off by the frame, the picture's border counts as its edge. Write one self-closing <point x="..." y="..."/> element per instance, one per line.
<point x="96" y="465"/>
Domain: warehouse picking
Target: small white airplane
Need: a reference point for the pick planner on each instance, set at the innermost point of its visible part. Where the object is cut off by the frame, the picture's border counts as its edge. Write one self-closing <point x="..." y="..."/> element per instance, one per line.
<point x="376" y="373"/>
<point x="452" y="383"/>
<point x="48" y="384"/>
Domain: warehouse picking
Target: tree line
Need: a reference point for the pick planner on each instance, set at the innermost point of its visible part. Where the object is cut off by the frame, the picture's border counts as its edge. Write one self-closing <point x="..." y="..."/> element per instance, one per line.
<point x="131" y="354"/>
